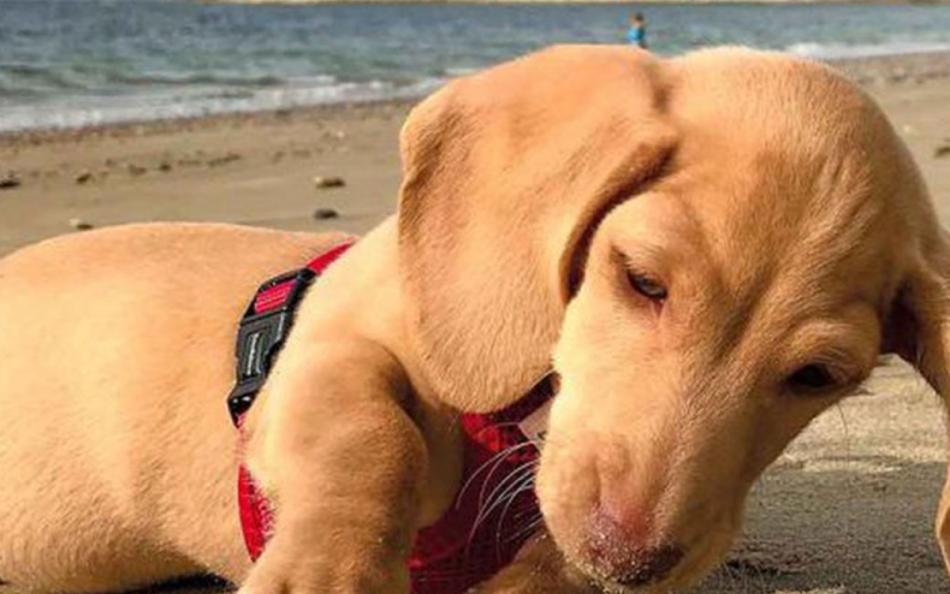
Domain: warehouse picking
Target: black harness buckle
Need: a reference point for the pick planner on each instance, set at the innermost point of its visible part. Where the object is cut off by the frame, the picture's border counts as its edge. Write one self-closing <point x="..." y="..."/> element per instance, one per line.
<point x="260" y="338"/>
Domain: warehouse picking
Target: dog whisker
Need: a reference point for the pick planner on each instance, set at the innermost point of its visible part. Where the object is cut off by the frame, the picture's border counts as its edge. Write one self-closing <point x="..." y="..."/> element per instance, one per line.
<point x="498" y="494"/>
<point x="525" y="486"/>
<point x="496" y="460"/>
<point x="487" y="481"/>
<point x="517" y="480"/>
<point x="531" y="526"/>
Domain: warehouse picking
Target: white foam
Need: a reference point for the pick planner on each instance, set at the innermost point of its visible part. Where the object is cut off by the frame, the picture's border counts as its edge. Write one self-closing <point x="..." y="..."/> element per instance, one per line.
<point x="159" y="105"/>
<point x="857" y="50"/>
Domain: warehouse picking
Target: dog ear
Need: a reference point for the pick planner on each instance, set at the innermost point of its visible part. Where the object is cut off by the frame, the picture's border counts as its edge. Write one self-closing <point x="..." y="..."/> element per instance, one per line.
<point x="506" y="175"/>
<point x="919" y="332"/>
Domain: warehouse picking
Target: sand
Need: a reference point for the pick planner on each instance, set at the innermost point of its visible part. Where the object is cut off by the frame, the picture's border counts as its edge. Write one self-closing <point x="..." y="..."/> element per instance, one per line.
<point x="847" y="509"/>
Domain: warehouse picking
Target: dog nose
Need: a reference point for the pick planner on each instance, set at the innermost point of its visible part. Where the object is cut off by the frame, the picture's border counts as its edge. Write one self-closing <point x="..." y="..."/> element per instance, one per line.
<point x="621" y="549"/>
<point x="649" y="565"/>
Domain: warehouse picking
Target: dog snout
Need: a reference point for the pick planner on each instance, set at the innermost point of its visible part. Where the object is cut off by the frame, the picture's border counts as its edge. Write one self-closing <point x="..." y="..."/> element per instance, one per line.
<point x="622" y="548"/>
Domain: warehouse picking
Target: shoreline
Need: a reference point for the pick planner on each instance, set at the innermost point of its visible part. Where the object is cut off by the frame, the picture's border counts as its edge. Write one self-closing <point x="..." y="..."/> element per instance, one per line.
<point x="914" y="68"/>
<point x="144" y="127"/>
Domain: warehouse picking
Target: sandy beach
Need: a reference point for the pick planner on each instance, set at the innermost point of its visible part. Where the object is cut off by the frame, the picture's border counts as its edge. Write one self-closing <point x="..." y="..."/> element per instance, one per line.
<point x="847" y="509"/>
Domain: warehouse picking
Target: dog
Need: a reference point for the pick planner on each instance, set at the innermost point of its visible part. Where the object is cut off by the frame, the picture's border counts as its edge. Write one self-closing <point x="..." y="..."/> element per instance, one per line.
<point x="708" y="251"/>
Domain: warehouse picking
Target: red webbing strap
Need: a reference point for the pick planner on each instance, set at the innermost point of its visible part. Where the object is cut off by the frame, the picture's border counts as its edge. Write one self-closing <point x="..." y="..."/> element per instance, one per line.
<point x="275" y="296"/>
<point x="257" y="518"/>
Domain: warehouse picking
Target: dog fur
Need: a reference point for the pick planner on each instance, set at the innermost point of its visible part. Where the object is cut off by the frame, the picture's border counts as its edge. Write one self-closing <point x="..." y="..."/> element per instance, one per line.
<point x="768" y="196"/>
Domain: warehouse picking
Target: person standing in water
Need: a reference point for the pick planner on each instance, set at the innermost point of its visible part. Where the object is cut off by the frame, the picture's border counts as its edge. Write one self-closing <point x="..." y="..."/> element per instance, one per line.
<point x="637" y="31"/>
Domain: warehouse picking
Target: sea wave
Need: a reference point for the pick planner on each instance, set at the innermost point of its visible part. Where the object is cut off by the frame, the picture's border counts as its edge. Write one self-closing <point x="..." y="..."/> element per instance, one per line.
<point x="168" y="79"/>
<point x="29" y="77"/>
<point x="865" y="50"/>
<point x="100" y="61"/>
<point x="146" y="106"/>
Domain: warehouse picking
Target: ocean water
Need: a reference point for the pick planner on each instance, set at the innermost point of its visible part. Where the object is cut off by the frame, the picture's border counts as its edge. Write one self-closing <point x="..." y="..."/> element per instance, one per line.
<point x="66" y="63"/>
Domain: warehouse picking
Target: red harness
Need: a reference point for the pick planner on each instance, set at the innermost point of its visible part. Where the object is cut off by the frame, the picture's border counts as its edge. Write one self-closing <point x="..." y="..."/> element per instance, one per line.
<point x="496" y="510"/>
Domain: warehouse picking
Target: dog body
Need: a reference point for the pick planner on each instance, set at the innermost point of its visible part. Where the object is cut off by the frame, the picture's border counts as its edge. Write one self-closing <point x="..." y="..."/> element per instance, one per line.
<point x="126" y="478"/>
<point x="710" y="251"/>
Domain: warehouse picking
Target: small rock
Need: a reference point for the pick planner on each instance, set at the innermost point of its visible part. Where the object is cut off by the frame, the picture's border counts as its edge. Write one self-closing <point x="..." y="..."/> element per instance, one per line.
<point x="325" y="213"/>
<point x="83" y="176"/>
<point x="9" y="181"/>
<point x="339" y="134"/>
<point x="80" y="225"/>
<point x="942" y="151"/>
<point x="223" y="160"/>
<point x="165" y="166"/>
<point x="328" y="182"/>
<point x="134" y="169"/>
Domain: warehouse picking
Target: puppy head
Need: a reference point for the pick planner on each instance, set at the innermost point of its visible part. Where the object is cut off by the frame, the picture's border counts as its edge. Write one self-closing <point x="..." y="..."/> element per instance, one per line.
<point x="711" y="248"/>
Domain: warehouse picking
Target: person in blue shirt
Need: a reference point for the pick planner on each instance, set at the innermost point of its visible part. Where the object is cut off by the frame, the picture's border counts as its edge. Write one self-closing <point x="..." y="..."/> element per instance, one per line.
<point x="637" y="31"/>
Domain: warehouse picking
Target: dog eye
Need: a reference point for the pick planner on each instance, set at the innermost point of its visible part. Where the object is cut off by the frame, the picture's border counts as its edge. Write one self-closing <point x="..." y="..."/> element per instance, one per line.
<point x="811" y="377"/>
<point x="646" y="286"/>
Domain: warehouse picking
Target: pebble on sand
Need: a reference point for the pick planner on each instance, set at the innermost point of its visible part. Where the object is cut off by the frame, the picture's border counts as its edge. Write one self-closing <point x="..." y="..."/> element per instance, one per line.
<point x="328" y="182"/>
<point x="165" y="166"/>
<point x="223" y="160"/>
<point x="83" y="176"/>
<point x="9" y="181"/>
<point x="80" y="225"/>
<point x="325" y="213"/>
<point x="134" y="169"/>
<point x="942" y="151"/>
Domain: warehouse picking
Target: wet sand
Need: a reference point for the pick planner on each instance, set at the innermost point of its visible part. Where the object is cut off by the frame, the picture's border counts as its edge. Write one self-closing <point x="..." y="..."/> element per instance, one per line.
<point x="847" y="509"/>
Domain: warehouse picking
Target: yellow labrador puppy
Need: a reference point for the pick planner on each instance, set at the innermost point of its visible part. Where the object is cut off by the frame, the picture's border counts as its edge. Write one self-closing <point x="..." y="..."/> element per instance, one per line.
<point x="709" y="250"/>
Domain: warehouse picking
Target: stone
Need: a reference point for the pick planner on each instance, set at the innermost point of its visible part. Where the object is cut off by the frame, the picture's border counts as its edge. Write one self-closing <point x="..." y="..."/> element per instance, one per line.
<point x="9" y="181"/>
<point x="323" y="182"/>
<point x="83" y="176"/>
<point x="223" y="160"/>
<point x="942" y="151"/>
<point x="79" y="224"/>
<point x="322" y="214"/>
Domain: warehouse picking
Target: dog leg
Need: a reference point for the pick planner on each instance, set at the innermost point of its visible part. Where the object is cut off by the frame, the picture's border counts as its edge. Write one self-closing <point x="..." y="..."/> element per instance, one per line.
<point x="539" y="568"/>
<point x="343" y="464"/>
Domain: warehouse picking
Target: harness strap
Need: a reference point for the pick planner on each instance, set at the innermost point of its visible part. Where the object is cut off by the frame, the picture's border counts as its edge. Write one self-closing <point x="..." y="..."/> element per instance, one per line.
<point x="274" y="296"/>
<point x="263" y="329"/>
